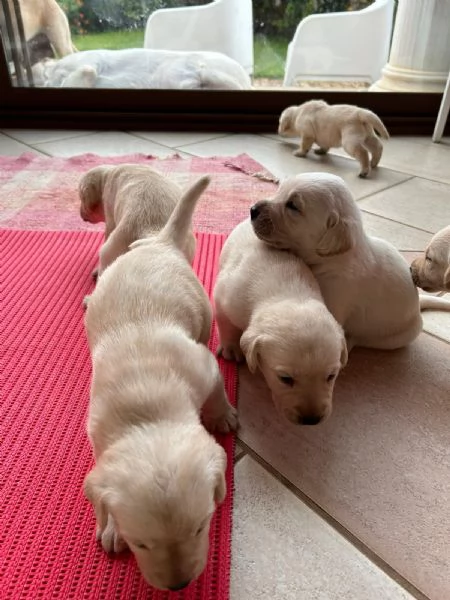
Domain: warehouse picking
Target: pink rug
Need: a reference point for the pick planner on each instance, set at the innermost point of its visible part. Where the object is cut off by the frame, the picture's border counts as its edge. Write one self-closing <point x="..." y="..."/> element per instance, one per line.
<point x="48" y="548"/>
<point x="39" y="192"/>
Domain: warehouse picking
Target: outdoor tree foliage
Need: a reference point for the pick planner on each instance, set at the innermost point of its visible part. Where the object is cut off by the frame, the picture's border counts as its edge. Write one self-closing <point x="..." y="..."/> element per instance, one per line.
<point x="270" y="17"/>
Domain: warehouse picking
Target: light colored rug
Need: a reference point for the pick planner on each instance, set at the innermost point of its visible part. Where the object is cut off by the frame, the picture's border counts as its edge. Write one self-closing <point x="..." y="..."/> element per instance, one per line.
<point x="39" y="192"/>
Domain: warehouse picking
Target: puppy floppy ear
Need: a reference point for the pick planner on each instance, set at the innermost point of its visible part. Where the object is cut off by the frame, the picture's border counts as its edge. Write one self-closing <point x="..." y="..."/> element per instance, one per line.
<point x="287" y="119"/>
<point x="447" y="279"/>
<point x="250" y="344"/>
<point x="95" y="490"/>
<point x="338" y="237"/>
<point x="90" y="188"/>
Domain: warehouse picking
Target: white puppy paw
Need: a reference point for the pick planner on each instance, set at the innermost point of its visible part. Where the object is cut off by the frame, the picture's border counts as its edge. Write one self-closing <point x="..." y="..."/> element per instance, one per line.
<point x="110" y="539"/>
<point x="300" y="153"/>
<point x="223" y="423"/>
<point x="231" y="352"/>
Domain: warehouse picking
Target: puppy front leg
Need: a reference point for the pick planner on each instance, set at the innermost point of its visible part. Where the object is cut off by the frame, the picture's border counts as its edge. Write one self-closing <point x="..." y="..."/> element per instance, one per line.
<point x="229" y="336"/>
<point x="218" y="414"/>
<point x="305" y="146"/>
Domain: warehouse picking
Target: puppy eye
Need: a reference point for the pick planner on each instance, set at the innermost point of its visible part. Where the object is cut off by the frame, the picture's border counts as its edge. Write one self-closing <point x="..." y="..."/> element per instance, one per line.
<point x="330" y="377"/>
<point x="199" y="530"/>
<point x="286" y="380"/>
<point x="291" y="206"/>
<point x="142" y="546"/>
<point x="428" y="259"/>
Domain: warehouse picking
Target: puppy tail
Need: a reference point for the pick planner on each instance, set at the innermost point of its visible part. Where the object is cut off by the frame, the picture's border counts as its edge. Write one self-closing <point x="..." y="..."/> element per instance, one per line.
<point x="433" y="303"/>
<point x="374" y="121"/>
<point x="180" y="221"/>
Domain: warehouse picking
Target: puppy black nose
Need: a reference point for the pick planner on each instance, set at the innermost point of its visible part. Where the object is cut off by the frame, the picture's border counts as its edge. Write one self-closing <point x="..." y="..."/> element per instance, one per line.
<point x="180" y="586"/>
<point x="254" y="212"/>
<point x="309" y="420"/>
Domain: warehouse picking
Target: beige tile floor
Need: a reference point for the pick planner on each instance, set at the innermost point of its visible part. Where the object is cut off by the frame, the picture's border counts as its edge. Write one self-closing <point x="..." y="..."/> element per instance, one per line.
<point x="357" y="508"/>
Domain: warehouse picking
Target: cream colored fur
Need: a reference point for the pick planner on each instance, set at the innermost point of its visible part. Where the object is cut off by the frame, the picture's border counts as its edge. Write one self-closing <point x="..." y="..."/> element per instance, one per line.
<point x="46" y="16"/>
<point x="269" y="309"/>
<point x="344" y="125"/>
<point x="365" y="281"/>
<point x="134" y="201"/>
<point x="431" y="272"/>
<point x="158" y="472"/>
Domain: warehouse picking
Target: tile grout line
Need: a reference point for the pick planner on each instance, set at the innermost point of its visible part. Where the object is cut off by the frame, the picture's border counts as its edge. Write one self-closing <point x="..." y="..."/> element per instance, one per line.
<point x="368" y="212"/>
<point x="390" y="186"/>
<point x="336" y="525"/>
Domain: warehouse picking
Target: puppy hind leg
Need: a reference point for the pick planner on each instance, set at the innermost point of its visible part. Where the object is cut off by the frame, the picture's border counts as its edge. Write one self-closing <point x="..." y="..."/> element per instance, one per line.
<point x="305" y="146"/>
<point x="357" y="150"/>
<point x="375" y="147"/>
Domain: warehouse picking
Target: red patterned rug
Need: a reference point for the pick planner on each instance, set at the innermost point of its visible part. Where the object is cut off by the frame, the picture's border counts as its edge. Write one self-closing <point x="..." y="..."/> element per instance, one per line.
<point x="48" y="547"/>
<point x="39" y="192"/>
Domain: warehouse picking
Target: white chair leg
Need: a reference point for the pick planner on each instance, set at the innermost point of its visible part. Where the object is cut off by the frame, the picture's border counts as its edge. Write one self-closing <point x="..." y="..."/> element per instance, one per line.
<point x="443" y="113"/>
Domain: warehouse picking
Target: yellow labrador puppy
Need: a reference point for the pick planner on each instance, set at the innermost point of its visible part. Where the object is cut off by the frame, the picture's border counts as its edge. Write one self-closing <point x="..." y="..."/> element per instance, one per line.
<point x="344" y="125"/>
<point x="269" y="309"/>
<point x="158" y="472"/>
<point x="365" y="281"/>
<point x="134" y="201"/>
<point x="432" y="271"/>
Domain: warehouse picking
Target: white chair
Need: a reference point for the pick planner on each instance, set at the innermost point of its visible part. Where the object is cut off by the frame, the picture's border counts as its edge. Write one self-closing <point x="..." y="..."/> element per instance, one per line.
<point x="222" y="26"/>
<point x="443" y="113"/>
<point x="350" y="45"/>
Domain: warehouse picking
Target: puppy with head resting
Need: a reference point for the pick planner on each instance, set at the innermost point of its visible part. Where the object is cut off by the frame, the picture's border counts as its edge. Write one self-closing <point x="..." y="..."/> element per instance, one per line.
<point x="432" y="271"/>
<point x="341" y="125"/>
<point x="134" y="201"/>
<point x="365" y="282"/>
<point x="269" y="309"/>
<point x="158" y="472"/>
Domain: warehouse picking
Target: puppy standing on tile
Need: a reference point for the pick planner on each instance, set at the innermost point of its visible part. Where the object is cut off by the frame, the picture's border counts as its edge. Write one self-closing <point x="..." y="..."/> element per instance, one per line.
<point x="365" y="281"/>
<point x="134" y="201"/>
<point x="158" y="472"/>
<point x="269" y="309"/>
<point x="431" y="272"/>
<point x="342" y="125"/>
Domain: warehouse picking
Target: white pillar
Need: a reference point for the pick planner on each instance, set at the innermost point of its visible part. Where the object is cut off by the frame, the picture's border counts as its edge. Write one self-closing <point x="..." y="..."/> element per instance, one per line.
<point x="419" y="60"/>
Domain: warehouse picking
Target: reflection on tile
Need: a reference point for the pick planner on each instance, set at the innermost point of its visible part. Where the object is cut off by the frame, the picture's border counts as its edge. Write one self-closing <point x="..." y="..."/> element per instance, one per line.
<point x="437" y="322"/>
<point x="422" y="159"/>
<point x="176" y="139"/>
<point x="380" y="465"/>
<point x="38" y="136"/>
<point x="10" y="147"/>
<point x="283" y="551"/>
<point x="401" y="236"/>
<point x="106" y="143"/>
<point x="278" y="158"/>
<point x="417" y="202"/>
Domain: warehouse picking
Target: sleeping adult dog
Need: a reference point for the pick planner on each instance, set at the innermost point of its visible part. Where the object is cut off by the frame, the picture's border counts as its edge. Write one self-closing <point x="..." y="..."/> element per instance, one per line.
<point x="142" y="68"/>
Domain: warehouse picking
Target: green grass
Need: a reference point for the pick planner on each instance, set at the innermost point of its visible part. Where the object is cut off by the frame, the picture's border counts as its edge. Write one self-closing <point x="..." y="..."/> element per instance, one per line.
<point x="110" y="40"/>
<point x="270" y="56"/>
<point x="270" y="53"/>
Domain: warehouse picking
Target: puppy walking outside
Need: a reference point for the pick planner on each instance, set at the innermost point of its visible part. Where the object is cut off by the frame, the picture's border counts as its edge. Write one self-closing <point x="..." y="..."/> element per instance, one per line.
<point x="342" y="125"/>
<point x="158" y="472"/>
<point x="134" y="201"/>
<point x="269" y="309"/>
